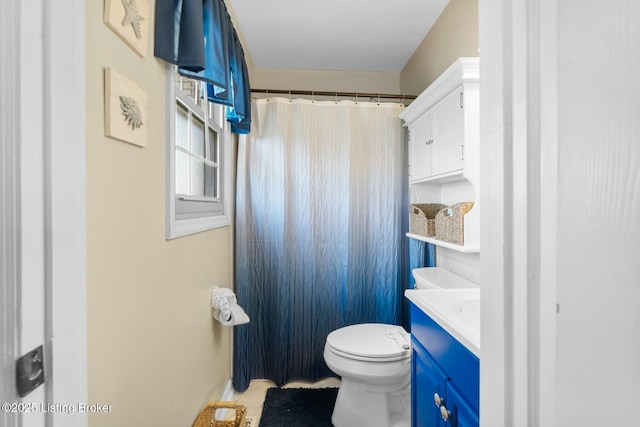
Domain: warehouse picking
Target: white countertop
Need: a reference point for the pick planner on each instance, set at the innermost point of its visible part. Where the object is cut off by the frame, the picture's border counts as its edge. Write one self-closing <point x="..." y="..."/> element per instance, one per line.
<point x="457" y="311"/>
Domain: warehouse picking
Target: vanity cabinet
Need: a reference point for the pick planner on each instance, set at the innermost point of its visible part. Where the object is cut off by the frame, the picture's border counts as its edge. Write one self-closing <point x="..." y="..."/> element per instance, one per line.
<point x="445" y="377"/>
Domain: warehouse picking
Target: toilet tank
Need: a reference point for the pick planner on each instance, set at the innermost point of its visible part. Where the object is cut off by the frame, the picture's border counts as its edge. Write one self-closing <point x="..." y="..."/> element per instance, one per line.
<point x="439" y="278"/>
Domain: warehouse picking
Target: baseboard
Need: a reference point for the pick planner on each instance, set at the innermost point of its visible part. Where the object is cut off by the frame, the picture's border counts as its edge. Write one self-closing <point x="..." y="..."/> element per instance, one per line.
<point x="227" y="395"/>
<point x="228" y="392"/>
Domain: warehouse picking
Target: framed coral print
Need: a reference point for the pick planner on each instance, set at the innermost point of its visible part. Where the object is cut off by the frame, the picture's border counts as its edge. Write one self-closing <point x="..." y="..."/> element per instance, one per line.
<point x="129" y="19"/>
<point x="125" y="110"/>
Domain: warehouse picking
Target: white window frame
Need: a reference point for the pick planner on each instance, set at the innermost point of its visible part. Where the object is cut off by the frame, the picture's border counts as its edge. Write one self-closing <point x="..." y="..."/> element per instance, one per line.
<point x="176" y="226"/>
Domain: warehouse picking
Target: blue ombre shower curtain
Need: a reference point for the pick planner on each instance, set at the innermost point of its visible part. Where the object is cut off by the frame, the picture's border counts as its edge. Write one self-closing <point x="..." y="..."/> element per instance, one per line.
<point x="321" y="216"/>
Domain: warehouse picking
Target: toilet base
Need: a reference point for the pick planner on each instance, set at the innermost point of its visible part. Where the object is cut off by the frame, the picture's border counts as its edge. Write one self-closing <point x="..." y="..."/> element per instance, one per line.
<point x="357" y="407"/>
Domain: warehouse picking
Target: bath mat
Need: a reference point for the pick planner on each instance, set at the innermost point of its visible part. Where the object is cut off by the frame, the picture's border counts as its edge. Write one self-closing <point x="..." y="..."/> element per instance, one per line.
<point x="298" y="407"/>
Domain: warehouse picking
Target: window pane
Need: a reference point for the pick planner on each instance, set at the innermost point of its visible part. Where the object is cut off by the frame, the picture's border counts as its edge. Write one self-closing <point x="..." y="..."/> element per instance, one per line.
<point x="197" y="137"/>
<point x="182" y="127"/>
<point x="182" y="173"/>
<point x="211" y="181"/>
<point x="212" y="146"/>
<point x="215" y="113"/>
<point x="198" y="143"/>
<point x="202" y="96"/>
<point x="197" y="177"/>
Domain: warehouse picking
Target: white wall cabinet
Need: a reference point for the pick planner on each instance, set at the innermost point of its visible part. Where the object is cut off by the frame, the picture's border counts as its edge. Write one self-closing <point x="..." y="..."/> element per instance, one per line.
<point x="444" y="127"/>
<point x="437" y="139"/>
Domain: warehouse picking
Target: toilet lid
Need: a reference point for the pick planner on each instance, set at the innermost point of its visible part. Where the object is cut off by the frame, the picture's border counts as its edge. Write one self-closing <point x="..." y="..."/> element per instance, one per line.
<point x="371" y="341"/>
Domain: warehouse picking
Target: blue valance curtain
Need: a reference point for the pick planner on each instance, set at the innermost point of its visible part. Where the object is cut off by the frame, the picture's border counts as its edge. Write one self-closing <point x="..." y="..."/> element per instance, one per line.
<point x="198" y="37"/>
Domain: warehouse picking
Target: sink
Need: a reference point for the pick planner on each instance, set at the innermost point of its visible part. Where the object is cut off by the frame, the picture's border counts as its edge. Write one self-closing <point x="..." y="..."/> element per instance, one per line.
<point x="469" y="309"/>
<point x="457" y="311"/>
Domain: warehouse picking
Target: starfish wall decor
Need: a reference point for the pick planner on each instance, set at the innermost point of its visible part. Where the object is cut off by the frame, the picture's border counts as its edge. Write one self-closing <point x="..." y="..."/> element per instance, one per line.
<point x="129" y="19"/>
<point x="132" y="17"/>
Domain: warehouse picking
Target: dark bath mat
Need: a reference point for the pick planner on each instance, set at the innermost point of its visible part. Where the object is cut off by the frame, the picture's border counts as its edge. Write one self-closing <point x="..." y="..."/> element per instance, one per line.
<point x="298" y="407"/>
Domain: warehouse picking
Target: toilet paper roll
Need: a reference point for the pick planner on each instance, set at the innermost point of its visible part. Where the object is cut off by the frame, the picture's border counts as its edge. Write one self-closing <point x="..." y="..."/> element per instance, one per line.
<point x="233" y="316"/>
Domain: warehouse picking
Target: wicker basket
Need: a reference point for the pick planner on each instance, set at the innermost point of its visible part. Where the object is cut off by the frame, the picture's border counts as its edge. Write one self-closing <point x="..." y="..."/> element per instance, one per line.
<point x="422" y="218"/>
<point x="207" y="417"/>
<point x="450" y="223"/>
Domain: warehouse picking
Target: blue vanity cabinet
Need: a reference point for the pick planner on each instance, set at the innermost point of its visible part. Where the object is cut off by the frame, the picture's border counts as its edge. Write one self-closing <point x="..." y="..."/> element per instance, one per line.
<point x="427" y="381"/>
<point x="445" y="387"/>
<point x="460" y="412"/>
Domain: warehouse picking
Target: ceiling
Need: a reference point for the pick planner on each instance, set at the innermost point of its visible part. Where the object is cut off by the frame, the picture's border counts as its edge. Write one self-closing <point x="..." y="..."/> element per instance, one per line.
<point x="361" y="35"/>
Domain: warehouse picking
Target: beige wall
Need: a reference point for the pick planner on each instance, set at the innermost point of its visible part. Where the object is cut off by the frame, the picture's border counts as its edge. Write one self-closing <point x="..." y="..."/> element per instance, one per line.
<point x="154" y="351"/>
<point x="326" y="80"/>
<point x="455" y="34"/>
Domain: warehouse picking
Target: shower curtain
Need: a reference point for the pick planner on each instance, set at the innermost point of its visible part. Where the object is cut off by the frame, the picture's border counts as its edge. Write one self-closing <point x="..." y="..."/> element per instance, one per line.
<point x="321" y="213"/>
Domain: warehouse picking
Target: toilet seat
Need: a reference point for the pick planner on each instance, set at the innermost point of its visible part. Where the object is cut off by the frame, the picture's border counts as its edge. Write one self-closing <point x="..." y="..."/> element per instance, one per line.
<point x="371" y="342"/>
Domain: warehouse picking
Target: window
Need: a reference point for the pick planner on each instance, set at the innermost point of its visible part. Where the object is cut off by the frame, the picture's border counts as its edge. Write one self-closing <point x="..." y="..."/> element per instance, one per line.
<point x="198" y="153"/>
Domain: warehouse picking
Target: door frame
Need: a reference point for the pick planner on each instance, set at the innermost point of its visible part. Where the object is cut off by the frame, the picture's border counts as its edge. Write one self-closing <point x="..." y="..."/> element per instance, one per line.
<point x="64" y="136"/>
<point x="519" y="180"/>
<point x="65" y="149"/>
<point x="9" y="218"/>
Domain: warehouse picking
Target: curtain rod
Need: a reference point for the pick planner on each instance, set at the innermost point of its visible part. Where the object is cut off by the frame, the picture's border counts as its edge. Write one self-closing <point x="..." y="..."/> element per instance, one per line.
<point x="336" y="94"/>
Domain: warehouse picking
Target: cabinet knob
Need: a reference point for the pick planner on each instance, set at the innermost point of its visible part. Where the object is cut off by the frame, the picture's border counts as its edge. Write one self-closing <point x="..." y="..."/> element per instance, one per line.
<point x="437" y="399"/>
<point x="444" y="413"/>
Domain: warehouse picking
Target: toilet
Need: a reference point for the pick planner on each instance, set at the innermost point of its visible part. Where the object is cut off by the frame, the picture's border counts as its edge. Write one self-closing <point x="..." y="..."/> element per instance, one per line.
<point x="374" y="361"/>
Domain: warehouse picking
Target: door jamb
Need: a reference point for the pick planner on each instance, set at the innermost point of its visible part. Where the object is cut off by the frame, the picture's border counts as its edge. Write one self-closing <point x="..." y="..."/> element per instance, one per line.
<point x="9" y="202"/>
<point x="519" y="192"/>
<point x="65" y="173"/>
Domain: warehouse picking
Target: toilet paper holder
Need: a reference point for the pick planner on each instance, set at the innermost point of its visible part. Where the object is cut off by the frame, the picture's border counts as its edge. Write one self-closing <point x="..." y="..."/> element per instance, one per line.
<point x="226" y="308"/>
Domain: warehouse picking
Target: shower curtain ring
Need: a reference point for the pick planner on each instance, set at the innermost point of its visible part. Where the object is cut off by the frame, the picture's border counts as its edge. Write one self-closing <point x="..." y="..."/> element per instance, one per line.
<point x="289" y="95"/>
<point x="313" y="96"/>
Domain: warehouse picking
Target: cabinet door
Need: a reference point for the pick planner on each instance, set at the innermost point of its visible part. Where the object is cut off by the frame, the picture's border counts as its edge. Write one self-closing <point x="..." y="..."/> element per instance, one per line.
<point x="419" y="147"/>
<point x="427" y="380"/>
<point x="447" y="133"/>
<point x="462" y="414"/>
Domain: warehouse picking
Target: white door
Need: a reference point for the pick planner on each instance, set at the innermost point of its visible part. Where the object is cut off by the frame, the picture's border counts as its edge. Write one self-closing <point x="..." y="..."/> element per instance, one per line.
<point x="420" y="147"/>
<point x="447" y="132"/>
<point x="560" y="235"/>
<point x="42" y="213"/>
<point x="23" y="213"/>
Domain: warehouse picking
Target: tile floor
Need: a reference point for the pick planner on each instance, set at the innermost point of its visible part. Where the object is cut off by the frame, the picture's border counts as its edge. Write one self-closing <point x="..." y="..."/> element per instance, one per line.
<point x="253" y="397"/>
